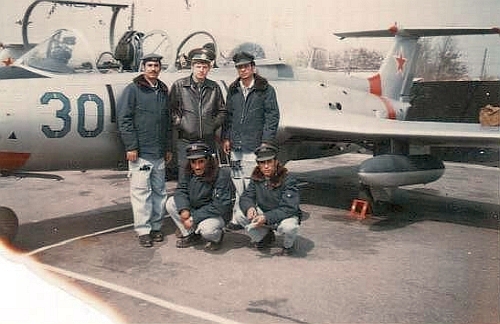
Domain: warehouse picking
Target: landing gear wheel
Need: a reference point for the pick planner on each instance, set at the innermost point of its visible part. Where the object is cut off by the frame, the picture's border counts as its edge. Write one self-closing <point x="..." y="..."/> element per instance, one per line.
<point x="8" y="224"/>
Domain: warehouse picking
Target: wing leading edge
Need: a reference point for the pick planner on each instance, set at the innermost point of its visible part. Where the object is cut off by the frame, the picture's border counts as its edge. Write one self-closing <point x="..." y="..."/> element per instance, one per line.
<point x="344" y="127"/>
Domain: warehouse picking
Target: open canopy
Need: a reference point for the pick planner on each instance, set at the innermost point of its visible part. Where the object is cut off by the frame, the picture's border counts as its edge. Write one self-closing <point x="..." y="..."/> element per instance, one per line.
<point x="65" y="52"/>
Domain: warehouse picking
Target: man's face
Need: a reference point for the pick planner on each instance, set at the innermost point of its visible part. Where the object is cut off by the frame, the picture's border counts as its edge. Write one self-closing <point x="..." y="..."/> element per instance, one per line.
<point x="245" y="71"/>
<point x="152" y="71"/>
<point x="268" y="167"/>
<point x="198" y="166"/>
<point x="200" y="70"/>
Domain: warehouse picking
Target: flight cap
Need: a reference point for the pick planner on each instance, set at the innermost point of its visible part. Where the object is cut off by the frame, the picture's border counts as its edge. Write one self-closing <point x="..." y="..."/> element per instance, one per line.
<point x="197" y="150"/>
<point x="152" y="57"/>
<point x="266" y="152"/>
<point x="242" y="58"/>
<point x="201" y="54"/>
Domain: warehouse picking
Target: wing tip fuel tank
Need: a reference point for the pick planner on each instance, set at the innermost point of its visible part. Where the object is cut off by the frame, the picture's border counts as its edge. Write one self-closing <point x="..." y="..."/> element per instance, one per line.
<point x="389" y="170"/>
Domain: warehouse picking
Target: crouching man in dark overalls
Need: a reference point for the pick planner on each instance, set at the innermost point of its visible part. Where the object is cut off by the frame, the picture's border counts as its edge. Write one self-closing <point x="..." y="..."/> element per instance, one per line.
<point x="270" y="202"/>
<point x="203" y="199"/>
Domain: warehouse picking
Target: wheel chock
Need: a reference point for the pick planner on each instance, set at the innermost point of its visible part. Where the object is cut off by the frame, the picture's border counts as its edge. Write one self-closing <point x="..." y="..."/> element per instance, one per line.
<point x="359" y="209"/>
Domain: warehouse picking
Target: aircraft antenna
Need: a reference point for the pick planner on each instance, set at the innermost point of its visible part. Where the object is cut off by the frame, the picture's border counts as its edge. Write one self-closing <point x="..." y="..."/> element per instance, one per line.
<point x="132" y="16"/>
<point x="483" y="64"/>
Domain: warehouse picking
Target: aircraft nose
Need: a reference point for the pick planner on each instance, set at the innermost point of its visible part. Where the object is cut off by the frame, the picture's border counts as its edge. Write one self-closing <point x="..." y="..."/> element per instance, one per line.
<point x="12" y="156"/>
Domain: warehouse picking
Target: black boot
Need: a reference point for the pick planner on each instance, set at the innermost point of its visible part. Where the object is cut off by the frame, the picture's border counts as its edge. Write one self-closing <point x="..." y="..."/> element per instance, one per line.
<point x="156" y="236"/>
<point x="266" y="241"/>
<point x="145" y="241"/>
<point x="214" y="246"/>
<point x="187" y="241"/>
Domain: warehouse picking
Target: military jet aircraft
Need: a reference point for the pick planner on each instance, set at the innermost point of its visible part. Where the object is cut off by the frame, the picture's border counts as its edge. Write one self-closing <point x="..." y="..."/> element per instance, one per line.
<point x="58" y="106"/>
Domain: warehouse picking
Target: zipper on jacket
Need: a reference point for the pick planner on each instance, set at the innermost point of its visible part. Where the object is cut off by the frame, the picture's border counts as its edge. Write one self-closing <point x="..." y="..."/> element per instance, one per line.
<point x="200" y="112"/>
<point x="245" y="104"/>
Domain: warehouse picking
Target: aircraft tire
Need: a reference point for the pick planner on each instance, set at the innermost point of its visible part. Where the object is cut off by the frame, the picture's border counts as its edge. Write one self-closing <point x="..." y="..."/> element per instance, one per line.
<point x="9" y="224"/>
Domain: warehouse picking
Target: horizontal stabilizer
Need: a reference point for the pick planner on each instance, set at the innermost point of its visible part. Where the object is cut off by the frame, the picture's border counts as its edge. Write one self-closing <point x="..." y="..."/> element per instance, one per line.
<point x="420" y="32"/>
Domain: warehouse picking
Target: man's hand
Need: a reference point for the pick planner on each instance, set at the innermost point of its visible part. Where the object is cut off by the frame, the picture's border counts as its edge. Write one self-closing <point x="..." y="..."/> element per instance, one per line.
<point x="259" y="220"/>
<point x="185" y="214"/>
<point x="226" y="146"/>
<point x="168" y="157"/>
<point x="186" y="219"/>
<point x="188" y="223"/>
<point x="251" y="213"/>
<point x="132" y="155"/>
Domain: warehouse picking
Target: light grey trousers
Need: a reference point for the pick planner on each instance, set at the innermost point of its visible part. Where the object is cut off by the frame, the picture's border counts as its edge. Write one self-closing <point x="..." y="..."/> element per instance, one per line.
<point x="210" y="228"/>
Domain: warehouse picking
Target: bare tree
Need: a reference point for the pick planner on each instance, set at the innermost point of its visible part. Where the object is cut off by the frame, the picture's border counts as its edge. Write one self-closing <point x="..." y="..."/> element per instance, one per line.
<point x="440" y="59"/>
<point x="357" y="59"/>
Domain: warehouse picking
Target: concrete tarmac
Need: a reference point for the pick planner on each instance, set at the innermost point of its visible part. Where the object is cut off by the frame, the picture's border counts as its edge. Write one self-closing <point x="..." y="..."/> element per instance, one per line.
<point x="433" y="258"/>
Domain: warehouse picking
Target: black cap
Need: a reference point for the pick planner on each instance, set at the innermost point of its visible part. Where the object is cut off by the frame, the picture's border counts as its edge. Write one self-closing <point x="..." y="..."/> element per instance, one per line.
<point x="201" y="54"/>
<point x="242" y="58"/>
<point x="266" y="152"/>
<point x="197" y="150"/>
<point x="152" y="57"/>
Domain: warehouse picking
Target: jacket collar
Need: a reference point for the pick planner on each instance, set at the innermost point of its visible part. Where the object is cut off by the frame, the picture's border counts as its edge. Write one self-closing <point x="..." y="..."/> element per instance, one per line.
<point x="260" y="84"/>
<point x="141" y="81"/>
<point x="188" y="82"/>
<point x="276" y="180"/>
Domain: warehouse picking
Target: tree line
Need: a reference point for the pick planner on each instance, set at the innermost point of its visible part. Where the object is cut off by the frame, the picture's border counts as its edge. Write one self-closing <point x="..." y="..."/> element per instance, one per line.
<point x="439" y="59"/>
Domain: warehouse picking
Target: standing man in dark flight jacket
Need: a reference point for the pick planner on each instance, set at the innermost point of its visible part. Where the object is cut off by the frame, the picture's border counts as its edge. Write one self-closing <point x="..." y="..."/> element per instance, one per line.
<point x="144" y="123"/>
<point x="253" y="119"/>
<point x="198" y="107"/>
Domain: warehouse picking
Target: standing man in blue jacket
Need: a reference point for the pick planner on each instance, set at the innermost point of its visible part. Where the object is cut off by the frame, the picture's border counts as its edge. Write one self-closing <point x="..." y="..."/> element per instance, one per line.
<point x="144" y="123"/>
<point x="253" y="119"/>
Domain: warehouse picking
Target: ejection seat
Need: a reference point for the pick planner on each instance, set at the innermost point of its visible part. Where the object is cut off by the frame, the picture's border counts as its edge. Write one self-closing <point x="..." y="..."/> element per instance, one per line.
<point x="129" y="50"/>
<point x="127" y="54"/>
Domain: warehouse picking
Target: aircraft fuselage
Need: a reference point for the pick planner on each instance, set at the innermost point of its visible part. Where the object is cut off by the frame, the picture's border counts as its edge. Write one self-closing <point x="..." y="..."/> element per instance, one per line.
<point x="69" y="121"/>
<point x="59" y="124"/>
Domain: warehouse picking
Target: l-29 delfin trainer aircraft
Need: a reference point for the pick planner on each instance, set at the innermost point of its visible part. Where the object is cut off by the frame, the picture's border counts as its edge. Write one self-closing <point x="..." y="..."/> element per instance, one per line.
<point x="58" y="109"/>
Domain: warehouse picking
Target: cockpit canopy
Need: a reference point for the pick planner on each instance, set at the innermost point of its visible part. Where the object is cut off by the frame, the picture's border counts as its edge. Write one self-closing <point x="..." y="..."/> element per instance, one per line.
<point x="65" y="52"/>
<point x="68" y="52"/>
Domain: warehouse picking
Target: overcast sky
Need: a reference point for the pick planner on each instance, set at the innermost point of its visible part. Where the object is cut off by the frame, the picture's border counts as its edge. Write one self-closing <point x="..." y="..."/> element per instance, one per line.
<point x="286" y="26"/>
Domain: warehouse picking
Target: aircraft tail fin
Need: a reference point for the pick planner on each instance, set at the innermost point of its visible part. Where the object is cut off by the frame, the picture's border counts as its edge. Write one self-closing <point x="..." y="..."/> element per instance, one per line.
<point x="395" y="76"/>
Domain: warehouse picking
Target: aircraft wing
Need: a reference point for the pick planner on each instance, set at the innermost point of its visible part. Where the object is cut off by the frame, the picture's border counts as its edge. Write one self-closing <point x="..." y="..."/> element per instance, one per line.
<point x="317" y="121"/>
<point x="344" y="127"/>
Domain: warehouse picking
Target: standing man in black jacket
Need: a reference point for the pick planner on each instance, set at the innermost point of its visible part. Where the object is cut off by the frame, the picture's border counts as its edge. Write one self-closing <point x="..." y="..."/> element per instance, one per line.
<point x="253" y="119"/>
<point x="144" y="123"/>
<point x="198" y="107"/>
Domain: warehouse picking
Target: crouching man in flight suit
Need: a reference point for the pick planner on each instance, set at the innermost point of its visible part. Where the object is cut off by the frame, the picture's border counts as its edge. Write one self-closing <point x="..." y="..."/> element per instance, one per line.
<point x="203" y="199"/>
<point x="270" y="202"/>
